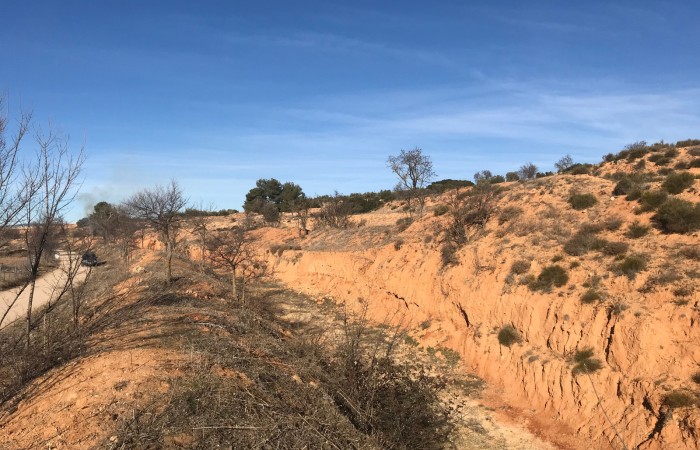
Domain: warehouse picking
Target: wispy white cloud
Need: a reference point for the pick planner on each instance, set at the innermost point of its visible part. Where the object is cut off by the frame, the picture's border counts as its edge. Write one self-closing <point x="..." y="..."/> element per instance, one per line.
<point x="340" y="44"/>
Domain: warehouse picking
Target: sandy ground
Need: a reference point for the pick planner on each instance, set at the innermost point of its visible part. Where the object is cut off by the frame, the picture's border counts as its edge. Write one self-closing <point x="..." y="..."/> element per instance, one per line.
<point x="47" y="287"/>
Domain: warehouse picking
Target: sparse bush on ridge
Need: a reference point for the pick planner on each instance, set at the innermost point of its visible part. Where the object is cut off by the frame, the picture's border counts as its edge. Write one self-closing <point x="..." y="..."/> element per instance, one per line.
<point x="688" y="143"/>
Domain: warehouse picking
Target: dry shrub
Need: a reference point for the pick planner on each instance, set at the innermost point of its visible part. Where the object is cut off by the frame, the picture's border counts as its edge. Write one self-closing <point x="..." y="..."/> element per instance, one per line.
<point x="585" y="363"/>
<point x="509" y="213"/>
<point x="630" y="266"/>
<point x="677" y="182"/>
<point x="590" y="296"/>
<point x="508" y="335"/>
<point x="678" y="216"/>
<point x="680" y="398"/>
<point x="583" y="242"/>
<point x="520" y="266"/>
<point x="551" y="276"/>
<point x="690" y="252"/>
<point x="582" y="201"/>
<point x="636" y="230"/>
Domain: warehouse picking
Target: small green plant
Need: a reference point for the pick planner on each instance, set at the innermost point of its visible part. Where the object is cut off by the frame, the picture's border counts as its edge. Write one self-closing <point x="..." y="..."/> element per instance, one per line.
<point x="590" y="296"/>
<point x="557" y="258"/>
<point x="585" y="362"/>
<point x="636" y="230"/>
<point x="520" y="266"/>
<point x="630" y="266"/>
<point x="582" y="201"/>
<point x="551" y="276"/>
<point x="677" y="182"/>
<point x="397" y="244"/>
<point x="508" y="336"/>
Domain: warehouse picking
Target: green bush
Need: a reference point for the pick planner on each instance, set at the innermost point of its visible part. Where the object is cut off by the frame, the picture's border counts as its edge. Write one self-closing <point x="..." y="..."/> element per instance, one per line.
<point x="624" y="186"/>
<point x="509" y="336"/>
<point x="582" y="201"/>
<point x="551" y="276"/>
<point x="590" y="296"/>
<point x="650" y="200"/>
<point x="630" y="266"/>
<point x="678" y="216"/>
<point x="694" y="163"/>
<point x="636" y="230"/>
<point x="664" y="161"/>
<point x="678" y="182"/>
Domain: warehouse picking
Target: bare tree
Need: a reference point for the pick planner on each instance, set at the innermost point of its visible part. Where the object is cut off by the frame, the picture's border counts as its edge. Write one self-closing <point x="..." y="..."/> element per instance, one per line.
<point x="415" y="171"/>
<point x="301" y="209"/>
<point x="335" y="212"/>
<point x="563" y="164"/>
<point x="161" y="208"/>
<point x="52" y="184"/>
<point x="15" y="189"/>
<point x="469" y="211"/>
<point x="527" y="171"/>
<point x="234" y="249"/>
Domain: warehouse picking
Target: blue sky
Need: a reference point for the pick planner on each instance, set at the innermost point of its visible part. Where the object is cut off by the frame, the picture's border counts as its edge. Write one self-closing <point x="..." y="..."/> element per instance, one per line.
<point x="218" y="94"/>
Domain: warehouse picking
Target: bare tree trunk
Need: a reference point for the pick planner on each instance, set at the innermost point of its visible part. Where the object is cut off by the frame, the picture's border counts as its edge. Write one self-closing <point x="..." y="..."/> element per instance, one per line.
<point x="29" y="309"/>
<point x="168" y="263"/>
<point x="234" y="289"/>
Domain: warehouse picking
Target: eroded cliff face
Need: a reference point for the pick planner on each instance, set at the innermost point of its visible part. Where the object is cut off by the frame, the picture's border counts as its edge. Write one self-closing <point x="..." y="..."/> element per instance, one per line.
<point x="647" y="336"/>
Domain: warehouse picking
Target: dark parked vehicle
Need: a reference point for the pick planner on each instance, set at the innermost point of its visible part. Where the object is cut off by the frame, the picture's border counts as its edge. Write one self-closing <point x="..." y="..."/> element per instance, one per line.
<point x="89" y="259"/>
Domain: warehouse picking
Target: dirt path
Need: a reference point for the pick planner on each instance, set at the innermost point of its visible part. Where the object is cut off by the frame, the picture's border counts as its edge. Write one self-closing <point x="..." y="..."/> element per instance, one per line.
<point x="479" y="427"/>
<point x="45" y="291"/>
